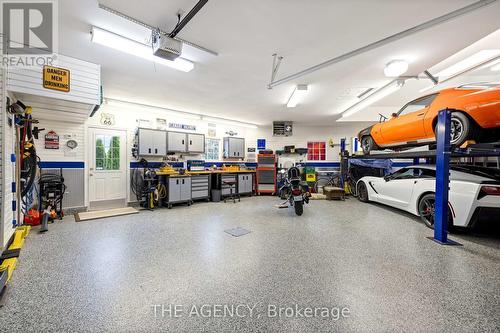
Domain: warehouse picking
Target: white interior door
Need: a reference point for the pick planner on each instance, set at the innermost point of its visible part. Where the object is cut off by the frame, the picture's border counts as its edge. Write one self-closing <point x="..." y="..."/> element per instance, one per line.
<point x="107" y="169"/>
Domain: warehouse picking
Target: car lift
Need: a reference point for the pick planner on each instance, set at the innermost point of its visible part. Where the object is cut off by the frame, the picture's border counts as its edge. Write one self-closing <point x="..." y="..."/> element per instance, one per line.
<point x="442" y="156"/>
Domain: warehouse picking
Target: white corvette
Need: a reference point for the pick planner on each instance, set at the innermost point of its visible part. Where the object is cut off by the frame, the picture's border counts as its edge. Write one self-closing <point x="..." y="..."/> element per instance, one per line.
<point x="474" y="192"/>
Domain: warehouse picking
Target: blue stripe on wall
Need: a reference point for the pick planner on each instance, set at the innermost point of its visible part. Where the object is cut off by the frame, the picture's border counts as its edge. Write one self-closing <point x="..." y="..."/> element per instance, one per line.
<point x="219" y="164"/>
<point x="62" y="165"/>
<point x="155" y="165"/>
<point x="135" y="165"/>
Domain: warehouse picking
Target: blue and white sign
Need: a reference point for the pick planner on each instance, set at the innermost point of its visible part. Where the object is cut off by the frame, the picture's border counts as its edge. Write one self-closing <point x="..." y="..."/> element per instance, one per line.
<point x="182" y="126"/>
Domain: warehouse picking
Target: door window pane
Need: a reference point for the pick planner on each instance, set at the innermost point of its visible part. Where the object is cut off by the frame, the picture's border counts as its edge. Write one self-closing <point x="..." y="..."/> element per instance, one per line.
<point x="107" y="152"/>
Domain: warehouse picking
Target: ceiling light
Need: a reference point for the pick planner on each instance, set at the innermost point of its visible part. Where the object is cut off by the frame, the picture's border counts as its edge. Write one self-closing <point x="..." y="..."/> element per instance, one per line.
<point x="374" y="97"/>
<point x="395" y="68"/>
<point x="470" y="62"/>
<point x="137" y="49"/>
<point x="297" y="95"/>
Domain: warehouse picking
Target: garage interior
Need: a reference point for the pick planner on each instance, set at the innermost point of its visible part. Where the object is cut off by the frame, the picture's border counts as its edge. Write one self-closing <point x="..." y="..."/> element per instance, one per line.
<point x="276" y="166"/>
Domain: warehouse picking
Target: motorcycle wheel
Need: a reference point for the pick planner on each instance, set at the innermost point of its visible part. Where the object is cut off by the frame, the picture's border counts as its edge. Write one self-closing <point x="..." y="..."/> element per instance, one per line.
<point x="299" y="207"/>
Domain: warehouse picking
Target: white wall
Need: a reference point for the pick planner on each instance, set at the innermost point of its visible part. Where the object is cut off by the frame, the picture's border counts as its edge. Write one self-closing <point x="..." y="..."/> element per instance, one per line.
<point x="304" y="134"/>
<point x="2" y="159"/>
<point x="66" y="131"/>
<point x="126" y="118"/>
<point x="7" y="144"/>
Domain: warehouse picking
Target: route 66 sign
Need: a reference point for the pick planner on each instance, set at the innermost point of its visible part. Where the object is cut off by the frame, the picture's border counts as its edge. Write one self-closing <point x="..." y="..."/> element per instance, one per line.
<point x="107" y="119"/>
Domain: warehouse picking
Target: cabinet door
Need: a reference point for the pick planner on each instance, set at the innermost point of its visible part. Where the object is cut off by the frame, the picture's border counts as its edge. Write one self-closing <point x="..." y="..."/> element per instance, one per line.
<point x="234" y="146"/>
<point x="185" y="188"/>
<point x="145" y="142"/>
<point x="174" y="193"/>
<point x="160" y="143"/>
<point x="229" y="147"/>
<point x="250" y="183"/>
<point x="242" y="183"/>
<point x="196" y="143"/>
<point x="176" y="142"/>
<point x="239" y="147"/>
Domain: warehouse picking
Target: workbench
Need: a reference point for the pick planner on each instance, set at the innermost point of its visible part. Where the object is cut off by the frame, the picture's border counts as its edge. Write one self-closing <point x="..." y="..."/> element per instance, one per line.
<point x="197" y="185"/>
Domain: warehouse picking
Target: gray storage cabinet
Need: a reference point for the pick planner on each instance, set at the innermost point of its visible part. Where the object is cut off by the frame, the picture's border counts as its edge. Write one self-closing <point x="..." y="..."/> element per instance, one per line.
<point x="200" y="187"/>
<point x="245" y="183"/>
<point x="196" y="143"/>
<point x="152" y="142"/>
<point x="177" y="142"/>
<point x="234" y="148"/>
<point x="179" y="190"/>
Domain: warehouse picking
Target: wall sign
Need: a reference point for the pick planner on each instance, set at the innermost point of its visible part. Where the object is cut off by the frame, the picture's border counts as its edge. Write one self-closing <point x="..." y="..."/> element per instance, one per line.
<point x="107" y="119"/>
<point x="56" y="78"/>
<point x="51" y="140"/>
<point x="261" y="144"/>
<point x="182" y="126"/>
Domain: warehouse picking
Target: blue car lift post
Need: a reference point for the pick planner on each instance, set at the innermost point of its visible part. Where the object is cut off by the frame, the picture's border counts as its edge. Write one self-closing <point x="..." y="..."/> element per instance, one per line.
<point x="443" y="154"/>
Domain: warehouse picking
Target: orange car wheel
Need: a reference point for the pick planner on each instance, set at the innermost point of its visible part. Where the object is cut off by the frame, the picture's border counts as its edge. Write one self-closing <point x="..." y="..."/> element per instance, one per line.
<point x="461" y="130"/>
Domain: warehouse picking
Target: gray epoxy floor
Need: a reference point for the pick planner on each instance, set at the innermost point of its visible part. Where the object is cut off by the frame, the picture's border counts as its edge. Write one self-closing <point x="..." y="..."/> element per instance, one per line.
<point x="106" y="275"/>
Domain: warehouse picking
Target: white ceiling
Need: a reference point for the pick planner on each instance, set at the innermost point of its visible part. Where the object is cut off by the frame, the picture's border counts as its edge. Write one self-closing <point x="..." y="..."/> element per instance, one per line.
<point x="245" y="34"/>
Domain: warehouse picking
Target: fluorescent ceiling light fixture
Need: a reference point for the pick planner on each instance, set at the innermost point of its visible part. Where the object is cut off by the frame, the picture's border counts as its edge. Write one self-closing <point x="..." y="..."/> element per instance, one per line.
<point x="297" y="95"/>
<point x="386" y="90"/>
<point x="395" y="68"/>
<point x="470" y="62"/>
<point x="143" y="107"/>
<point x="123" y="44"/>
<point x="229" y="122"/>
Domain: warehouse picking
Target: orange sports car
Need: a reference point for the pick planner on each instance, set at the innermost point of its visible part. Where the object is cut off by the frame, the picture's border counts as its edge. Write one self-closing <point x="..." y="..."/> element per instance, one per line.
<point x="476" y="116"/>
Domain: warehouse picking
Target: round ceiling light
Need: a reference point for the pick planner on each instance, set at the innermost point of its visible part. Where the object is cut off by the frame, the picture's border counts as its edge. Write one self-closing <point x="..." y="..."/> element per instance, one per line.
<point x="395" y="68"/>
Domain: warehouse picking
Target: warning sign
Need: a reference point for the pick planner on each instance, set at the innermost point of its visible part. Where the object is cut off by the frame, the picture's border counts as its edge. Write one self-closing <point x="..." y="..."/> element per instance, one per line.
<point x="51" y="140"/>
<point x="56" y="78"/>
